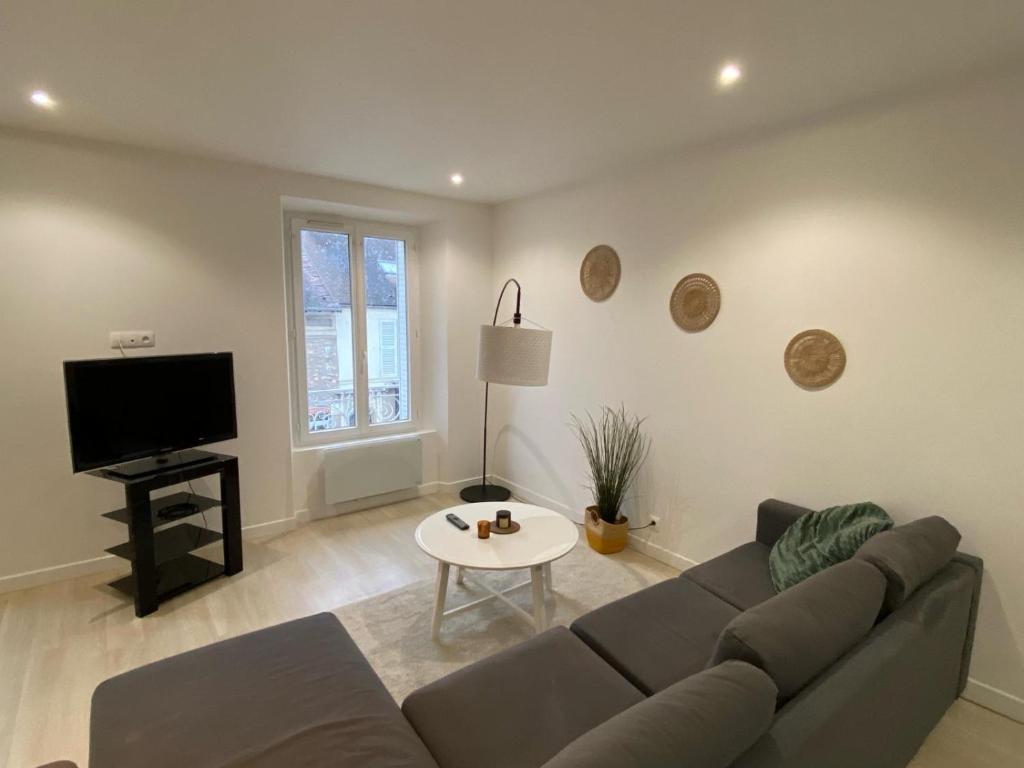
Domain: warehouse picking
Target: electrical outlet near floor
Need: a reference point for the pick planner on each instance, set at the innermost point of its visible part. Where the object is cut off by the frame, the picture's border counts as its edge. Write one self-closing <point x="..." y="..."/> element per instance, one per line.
<point x="655" y="521"/>
<point x="132" y="339"/>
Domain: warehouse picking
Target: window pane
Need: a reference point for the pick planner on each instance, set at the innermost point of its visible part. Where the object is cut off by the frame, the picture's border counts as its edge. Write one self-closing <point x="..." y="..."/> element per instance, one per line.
<point x="387" y="329"/>
<point x="327" y="310"/>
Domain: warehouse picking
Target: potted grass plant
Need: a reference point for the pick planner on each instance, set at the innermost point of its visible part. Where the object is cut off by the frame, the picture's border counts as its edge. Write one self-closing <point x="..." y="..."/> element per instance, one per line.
<point x="615" y="449"/>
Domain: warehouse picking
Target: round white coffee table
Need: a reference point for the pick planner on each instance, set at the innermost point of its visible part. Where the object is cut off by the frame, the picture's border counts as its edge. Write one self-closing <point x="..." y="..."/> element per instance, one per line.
<point x="544" y="537"/>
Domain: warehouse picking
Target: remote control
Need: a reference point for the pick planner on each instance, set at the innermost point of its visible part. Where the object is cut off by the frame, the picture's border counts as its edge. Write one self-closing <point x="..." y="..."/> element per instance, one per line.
<point x="457" y="521"/>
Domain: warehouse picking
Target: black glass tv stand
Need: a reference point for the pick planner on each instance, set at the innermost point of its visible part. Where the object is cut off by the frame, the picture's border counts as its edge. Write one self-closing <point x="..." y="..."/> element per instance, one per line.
<point x="161" y="557"/>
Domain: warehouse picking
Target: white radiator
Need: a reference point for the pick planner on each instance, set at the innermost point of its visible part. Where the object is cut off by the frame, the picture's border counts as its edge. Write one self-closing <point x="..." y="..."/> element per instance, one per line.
<point x="368" y="470"/>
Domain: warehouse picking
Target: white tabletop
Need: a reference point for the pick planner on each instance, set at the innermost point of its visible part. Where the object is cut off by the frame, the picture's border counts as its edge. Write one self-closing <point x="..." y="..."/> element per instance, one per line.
<point x="544" y="536"/>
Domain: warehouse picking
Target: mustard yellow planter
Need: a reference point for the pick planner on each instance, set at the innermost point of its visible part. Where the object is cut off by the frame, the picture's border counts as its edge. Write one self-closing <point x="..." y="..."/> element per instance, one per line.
<point x="606" y="538"/>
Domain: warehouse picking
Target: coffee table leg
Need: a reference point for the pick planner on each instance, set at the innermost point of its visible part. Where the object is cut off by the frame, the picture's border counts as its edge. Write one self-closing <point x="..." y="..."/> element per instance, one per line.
<point x="458" y="576"/>
<point x="540" y="613"/>
<point x="441" y="593"/>
<point x="547" y="577"/>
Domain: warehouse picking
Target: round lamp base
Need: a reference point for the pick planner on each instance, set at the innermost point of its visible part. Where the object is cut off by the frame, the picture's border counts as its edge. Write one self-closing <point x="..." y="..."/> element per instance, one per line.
<point x="474" y="493"/>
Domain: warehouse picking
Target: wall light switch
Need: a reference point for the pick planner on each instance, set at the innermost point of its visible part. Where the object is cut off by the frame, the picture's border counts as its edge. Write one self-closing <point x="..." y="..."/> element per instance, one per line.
<point x="132" y="339"/>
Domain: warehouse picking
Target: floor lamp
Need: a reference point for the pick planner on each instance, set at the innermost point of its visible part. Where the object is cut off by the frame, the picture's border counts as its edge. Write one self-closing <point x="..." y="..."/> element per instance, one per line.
<point x="508" y="355"/>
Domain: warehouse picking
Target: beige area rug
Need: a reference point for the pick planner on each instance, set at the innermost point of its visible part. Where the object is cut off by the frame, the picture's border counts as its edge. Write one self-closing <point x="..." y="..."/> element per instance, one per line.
<point x="393" y="629"/>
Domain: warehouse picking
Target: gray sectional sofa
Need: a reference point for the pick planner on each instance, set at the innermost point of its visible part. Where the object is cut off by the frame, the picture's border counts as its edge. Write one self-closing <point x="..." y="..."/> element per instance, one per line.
<point x="850" y="668"/>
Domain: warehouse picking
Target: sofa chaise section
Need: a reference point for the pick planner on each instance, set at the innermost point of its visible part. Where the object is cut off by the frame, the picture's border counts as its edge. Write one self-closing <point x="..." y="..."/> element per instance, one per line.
<point x="299" y="693"/>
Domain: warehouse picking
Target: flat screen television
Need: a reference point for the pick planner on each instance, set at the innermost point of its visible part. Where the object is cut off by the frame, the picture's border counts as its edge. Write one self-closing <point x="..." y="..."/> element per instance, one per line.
<point x="123" y="409"/>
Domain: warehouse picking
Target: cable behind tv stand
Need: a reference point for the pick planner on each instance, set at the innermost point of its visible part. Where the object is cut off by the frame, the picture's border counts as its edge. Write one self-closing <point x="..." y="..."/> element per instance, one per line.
<point x="162" y="563"/>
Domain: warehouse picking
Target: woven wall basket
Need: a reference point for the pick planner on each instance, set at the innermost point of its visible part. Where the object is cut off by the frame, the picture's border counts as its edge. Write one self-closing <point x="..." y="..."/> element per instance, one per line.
<point x="695" y="302"/>
<point x="815" y="359"/>
<point x="600" y="272"/>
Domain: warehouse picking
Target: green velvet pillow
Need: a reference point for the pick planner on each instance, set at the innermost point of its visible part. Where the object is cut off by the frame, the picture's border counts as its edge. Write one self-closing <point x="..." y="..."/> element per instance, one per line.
<point x="822" y="539"/>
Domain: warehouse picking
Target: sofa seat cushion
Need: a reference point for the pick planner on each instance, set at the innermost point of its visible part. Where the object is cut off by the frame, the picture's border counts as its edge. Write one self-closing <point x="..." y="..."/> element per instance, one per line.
<point x="799" y="633"/>
<point x="740" y="576"/>
<point x="659" y="635"/>
<point x="704" y="721"/>
<point x="298" y="693"/>
<point x="518" y="708"/>
<point x="910" y="555"/>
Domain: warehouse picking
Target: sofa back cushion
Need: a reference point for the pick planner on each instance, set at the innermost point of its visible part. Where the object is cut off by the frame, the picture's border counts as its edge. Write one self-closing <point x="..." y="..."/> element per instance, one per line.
<point x="774" y="517"/>
<point x="910" y="555"/>
<point x="704" y="721"/>
<point x="797" y="634"/>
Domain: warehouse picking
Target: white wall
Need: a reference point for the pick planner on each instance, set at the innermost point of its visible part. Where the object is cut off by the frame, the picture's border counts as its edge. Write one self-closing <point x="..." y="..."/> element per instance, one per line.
<point x="902" y="231"/>
<point x="96" y="237"/>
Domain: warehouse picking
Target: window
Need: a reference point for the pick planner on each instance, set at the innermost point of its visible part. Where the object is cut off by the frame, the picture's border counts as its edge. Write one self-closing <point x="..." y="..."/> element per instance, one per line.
<point x="351" y="350"/>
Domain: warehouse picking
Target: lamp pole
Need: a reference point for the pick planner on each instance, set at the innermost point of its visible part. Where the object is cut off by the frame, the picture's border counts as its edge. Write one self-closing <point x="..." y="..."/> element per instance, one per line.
<point x="483" y="491"/>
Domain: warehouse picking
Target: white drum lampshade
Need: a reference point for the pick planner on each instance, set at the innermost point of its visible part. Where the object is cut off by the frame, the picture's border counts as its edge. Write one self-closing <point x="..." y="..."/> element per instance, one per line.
<point x="514" y="355"/>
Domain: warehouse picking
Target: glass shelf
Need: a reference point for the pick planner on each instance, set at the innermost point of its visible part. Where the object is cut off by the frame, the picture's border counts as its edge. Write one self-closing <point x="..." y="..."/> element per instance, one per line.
<point x="171" y="543"/>
<point x="203" y="503"/>
<point x="175" y="576"/>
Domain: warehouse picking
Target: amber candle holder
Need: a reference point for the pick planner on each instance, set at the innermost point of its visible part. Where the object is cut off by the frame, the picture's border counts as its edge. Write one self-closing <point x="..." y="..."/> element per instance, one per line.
<point x="483" y="529"/>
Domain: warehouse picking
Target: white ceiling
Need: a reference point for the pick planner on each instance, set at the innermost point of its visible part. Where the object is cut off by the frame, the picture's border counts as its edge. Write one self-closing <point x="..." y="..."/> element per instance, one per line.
<point x="518" y="95"/>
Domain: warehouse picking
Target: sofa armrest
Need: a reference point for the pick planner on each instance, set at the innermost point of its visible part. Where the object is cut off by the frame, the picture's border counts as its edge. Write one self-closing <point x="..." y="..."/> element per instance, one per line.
<point x="774" y="517"/>
<point x="977" y="565"/>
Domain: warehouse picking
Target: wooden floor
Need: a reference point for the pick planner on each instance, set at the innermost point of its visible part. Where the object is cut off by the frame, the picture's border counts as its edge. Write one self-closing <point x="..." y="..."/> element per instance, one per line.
<point x="59" y="641"/>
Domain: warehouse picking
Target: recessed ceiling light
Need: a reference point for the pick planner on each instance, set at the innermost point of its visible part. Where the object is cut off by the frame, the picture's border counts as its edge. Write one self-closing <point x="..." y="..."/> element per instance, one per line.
<point x="729" y="74"/>
<point x="42" y="99"/>
<point x="457" y="179"/>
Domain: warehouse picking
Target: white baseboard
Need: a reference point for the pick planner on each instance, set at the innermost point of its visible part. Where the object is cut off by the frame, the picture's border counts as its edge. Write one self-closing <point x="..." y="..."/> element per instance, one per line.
<point x="992" y="698"/>
<point x="55" y="573"/>
<point x="270" y="528"/>
<point x="639" y="543"/>
<point x="660" y="553"/>
<point x="454" y="486"/>
<point x="303" y="516"/>
<point x="532" y="497"/>
<point x="358" y="505"/>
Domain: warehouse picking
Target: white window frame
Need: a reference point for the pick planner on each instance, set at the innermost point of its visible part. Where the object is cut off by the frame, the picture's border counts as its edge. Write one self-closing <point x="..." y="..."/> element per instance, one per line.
<point x="356" y="231"/>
